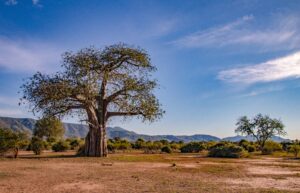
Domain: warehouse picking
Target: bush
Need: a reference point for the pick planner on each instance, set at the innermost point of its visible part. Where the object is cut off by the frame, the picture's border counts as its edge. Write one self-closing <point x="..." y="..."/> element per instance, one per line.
<point x="228" y="151"/>
<point x="74" y="143"/>
<point x="37" y="145"/>
<point x="247" y="145"/>
<point x="193" y="147"/>
<point x="270" y="147"/>
<point x="139" y="144"/>
<point x="295" y="149"/>
<point x="251" y="148"/>
<point x="166" y="149"/>
<point x="61" y="146"/>
<point x="111" y="146"/>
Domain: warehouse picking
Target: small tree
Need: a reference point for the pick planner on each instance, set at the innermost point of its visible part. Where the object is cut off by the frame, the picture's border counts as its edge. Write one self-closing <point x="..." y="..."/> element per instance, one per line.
<point x="12" y="141"/>
<point x="37" y="145"/>
<point x="262" y="128"/>
<point x="295" y="149"/>
<point x="49" y="127"/>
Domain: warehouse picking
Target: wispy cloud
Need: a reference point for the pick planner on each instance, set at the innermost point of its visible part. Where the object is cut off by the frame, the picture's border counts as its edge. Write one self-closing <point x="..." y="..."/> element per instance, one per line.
<point x="27" y="55"/>
<point x="11" y="112"/>
<point x="272" y="70"/>
<point x="15" y="2"/>
<point x="35" y="2"/>
<point x="11" y="2"/>
<point x="283" y="32"/>
<point x="263" y="90"/>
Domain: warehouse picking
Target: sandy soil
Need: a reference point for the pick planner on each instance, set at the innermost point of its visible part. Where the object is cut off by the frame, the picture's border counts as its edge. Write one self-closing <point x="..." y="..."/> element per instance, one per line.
<point x="133" y="172"/>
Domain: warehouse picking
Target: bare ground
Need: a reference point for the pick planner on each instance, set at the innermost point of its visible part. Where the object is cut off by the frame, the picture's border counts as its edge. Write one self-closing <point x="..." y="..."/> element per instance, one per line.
<point x="137" y="172"/>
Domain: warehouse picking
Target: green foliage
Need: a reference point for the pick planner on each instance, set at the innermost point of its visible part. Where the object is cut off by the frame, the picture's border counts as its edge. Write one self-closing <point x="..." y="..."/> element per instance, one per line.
<point x="37" y="145"/>
<point x="166" y="149"/>
<point x="139" y="144"/>
<point x="118" y="144"/>
<point x="74" y="143"/>
<point x="61" y="146"/>
<point x="247" y="145"/>
<point x="262" y="128"/>
<point x="192" y="147"/>
<point x="271" y="146"/>
<point x="227" y="150"/>
<point x="295" y="149"/>
<point x="152" y="146"/>
<point x="12" y="141"/>
<point x="49" y="127"/>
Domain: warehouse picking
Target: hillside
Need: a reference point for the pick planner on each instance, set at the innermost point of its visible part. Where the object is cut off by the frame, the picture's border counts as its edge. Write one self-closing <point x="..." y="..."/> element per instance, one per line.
<point x="80" y="130"/>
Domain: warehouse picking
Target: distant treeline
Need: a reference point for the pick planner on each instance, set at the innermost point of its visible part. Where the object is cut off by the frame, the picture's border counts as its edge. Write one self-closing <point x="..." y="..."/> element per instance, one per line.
<point x="14" y="141"/>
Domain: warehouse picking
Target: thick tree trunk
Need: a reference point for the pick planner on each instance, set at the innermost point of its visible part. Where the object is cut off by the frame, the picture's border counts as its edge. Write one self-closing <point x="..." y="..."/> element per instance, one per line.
<point x="95" y="143"/>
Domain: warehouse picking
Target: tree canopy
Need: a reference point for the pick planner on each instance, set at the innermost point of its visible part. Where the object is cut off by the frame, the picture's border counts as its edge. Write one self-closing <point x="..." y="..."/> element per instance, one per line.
<point x="49" y="127"/>
<point x="261" y="127"/>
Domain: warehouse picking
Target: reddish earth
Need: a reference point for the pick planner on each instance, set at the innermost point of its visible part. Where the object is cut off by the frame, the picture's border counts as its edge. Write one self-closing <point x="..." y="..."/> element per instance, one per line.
<point x="137" y="172"/>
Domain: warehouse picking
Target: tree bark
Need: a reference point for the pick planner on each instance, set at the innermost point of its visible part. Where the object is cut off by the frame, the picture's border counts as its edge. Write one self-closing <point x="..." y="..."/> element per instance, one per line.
<point x="95" y="143"/>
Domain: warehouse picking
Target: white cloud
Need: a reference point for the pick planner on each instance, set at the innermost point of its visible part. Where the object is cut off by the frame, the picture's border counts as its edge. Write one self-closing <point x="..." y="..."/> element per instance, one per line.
<point x="283" y="32"/>
<point x="16" y="55"/>
<point x="272" y="70"/>
<point x="11" y="2"/>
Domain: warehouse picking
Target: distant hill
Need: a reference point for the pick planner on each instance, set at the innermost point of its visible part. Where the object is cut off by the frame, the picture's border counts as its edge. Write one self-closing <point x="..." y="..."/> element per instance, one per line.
<point x="80" y="130"/>
<point x="250" y="138"/>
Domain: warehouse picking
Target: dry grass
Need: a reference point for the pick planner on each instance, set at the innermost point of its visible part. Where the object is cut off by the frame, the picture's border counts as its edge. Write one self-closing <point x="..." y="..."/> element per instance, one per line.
<point x="137" y="172"/>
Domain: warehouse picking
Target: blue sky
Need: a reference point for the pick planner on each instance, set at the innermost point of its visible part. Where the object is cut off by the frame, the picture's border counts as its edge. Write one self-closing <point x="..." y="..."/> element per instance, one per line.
<point x="217" y="60"/>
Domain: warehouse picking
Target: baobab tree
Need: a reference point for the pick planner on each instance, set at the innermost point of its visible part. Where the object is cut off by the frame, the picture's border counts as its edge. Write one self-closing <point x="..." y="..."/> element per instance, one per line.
<point x="114" y="81"/>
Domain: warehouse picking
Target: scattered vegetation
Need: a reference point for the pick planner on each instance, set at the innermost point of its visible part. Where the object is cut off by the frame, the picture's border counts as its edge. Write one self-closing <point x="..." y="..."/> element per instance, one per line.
<point x="192" y="147"/>
<point x="61" y="146"/>
<point x="227" y="150"/>
<point x="271" y="147"/>
<point x="295" y="149"/>
<point x="12" y="141"/>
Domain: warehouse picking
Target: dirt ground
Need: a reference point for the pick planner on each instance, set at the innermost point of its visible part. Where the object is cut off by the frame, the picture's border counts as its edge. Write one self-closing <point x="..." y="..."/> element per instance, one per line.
<point x="137" y="172"/>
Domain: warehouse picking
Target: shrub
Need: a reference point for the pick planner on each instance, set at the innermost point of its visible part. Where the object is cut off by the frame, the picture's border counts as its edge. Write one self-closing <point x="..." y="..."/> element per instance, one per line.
<point x="228" y="151"/>
<point x="251" y="148"/>
<point x="139" y="143"/>
<point x="193" y="147"/>
<point x="37" y="145"/>
<point x="295" y="149"/>
<point x="270" y="147"/>
<point x="80" y="151"/>
<point x="166" y="149"/>
<point x="61" y="146"/>
<point x="175" y="146"/>
<point x="247" y="145"/>
<point x="123" y="145"/>
<point x="74" y="143"/>
<point x="111" y="146"/>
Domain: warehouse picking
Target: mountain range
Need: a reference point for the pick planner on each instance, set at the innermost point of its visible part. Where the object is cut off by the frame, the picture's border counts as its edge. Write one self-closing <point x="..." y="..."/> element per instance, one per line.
<point x="80" y="130"/>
